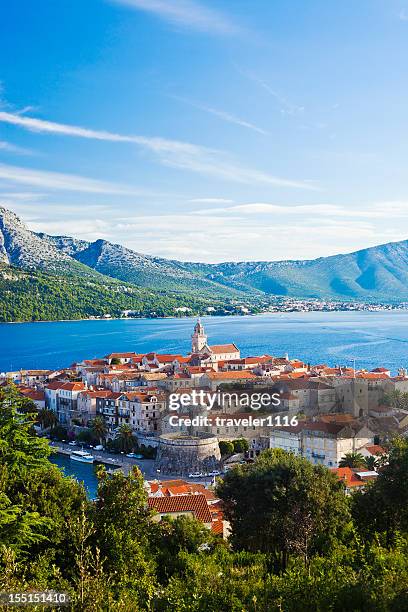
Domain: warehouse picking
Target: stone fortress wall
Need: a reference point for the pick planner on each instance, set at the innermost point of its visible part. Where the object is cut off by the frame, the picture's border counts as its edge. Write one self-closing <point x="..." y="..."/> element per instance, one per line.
<point x="181" y="454"/>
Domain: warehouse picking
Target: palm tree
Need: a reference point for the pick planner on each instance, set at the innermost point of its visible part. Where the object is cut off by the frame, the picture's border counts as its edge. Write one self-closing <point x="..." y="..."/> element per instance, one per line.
<point x="99" y="428"/>
<point x="352" y="460"/>
<point x="46" y="418"/>
<point x="125" y="437"/>
<point x="371" y="462"/>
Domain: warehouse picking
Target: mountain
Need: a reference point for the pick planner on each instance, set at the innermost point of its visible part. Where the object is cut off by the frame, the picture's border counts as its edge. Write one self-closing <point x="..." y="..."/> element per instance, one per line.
<point x="22" y="248"/>
<point x="119" y="262"/>
<point x="41" y="279"/>
<point x="377" y="273"/>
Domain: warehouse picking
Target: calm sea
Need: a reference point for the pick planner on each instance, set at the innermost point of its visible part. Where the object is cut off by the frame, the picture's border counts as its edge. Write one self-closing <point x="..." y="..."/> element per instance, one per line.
<point x="83" y="472"/>
<point x="371" y="338"/>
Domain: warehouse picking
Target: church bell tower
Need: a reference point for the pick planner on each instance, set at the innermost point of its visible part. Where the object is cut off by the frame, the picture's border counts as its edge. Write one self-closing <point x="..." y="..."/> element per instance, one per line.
<point x="199" y="339"/>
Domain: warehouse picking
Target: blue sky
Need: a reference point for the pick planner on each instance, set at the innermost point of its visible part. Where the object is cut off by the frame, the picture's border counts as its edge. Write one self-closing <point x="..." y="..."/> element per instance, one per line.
<point x="207" y="130"/>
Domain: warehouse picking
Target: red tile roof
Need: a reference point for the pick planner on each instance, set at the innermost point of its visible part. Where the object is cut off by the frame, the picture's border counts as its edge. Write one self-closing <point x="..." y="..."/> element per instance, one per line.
<point x="66" y="386"/>
<point x="347" y="476"/>
<point x="169" y="358"/>
<point x="217" y="527"/>
<point x="376" y="449"/>
<point x="33" y="394"/>
<point x="219" y="349"/>
<point x="372" y="376"/>
<point x="231" y="375"/>
<point x="196" y="504"/>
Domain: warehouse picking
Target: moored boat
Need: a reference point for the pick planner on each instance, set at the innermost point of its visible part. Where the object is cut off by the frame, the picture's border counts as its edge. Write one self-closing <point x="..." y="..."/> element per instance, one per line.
<point x="81" y="455"/>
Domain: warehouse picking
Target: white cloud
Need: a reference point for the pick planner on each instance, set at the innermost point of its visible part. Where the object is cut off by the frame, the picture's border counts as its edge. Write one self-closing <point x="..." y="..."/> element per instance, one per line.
<point x="10" y="148"/>
<point x="211" y="201"/>
<point x="40" y="125"/>
<point x="87" y="229"/>
<point x="187" y="13"/>
<point x="224" y="116"/>
<point x="174" y="153"/>
<point x="379" y="210"/>
<point x="21" y="195"/>
<point x="57" y="180"/>
<point x="240" y="237"/>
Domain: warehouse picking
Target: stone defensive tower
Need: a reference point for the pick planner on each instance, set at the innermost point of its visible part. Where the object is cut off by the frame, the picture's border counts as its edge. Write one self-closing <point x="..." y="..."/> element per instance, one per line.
<point x="181" y="454"/>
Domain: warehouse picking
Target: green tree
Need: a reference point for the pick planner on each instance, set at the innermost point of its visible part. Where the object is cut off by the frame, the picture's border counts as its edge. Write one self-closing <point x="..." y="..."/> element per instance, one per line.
<point x="173" y="538"/>
<point x="352" y="460"/>
<point x="59" y="432"/>
<point x="283" y="505"/>
<point x="240" y="445"/>
<point x="46" y="418"/>
<point x="85" y="436"/>
<point x="99" y="429"/>
<point x="371" y="462"/>
<point x="20" y="447"/>
<point x="126" y="439"/>
<point x="396" y="399"/>
<point x="226" y="447"/>
<point x="122" y="525"/>
<point x="31" y="488"/>
<point x="383" y="507"/>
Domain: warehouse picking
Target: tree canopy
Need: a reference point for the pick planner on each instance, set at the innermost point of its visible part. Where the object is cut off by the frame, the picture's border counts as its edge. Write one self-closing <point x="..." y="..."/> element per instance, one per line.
<point x="297" y="541"/>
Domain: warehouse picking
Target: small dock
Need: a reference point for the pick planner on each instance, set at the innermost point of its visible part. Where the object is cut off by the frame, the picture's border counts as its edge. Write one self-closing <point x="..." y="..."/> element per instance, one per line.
<point x="112" y="462"/>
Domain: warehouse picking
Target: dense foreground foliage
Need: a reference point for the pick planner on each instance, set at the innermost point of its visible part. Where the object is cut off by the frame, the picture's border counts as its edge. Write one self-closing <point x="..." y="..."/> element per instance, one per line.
<point x="297" y="542"/>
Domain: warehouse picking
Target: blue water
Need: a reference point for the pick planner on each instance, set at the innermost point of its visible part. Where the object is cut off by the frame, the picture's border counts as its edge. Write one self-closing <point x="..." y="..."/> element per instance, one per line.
<point x="372" y="338"/>
<point x="83" y="472"/>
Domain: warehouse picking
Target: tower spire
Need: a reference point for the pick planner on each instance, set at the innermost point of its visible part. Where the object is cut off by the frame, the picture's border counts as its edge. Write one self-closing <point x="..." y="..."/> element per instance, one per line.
<point x="199" y="338"/>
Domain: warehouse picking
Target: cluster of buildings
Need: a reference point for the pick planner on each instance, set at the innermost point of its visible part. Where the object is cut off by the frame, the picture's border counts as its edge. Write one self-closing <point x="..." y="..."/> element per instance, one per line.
<point x="339" y="409"/>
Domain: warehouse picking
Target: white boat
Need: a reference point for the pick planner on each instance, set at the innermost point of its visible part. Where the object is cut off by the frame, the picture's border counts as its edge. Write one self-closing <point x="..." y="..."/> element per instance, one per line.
<point x="81" y="455"/>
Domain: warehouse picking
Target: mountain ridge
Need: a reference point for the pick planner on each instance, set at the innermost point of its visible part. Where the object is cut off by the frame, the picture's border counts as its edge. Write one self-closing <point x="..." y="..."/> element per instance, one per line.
<point x="373" y="273"/>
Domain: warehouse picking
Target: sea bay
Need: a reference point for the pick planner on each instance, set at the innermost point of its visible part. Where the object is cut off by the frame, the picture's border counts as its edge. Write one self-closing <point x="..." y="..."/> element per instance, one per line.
<point x="369" y="338"/>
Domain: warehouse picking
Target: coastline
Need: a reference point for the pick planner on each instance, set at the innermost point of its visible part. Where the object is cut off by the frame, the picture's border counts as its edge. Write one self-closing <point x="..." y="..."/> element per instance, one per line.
<point x="365" y="308"/>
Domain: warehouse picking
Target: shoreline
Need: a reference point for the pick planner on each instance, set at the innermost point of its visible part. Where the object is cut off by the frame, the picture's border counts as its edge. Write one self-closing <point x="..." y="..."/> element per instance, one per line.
<point x="249" y="314"/>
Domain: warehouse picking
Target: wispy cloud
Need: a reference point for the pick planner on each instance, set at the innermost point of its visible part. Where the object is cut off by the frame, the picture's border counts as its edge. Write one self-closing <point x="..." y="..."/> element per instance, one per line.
<point x="314" y="212"/>
<point x="286" y="106"/>
<point x="211" y="201"/>
<point x="57" y="180"/>
<point x="403" y="15"/>
<point x="51" y="127"/>
<point x="174" y="153"/>
<point x="10" y="148"/>
<point x="187" y="13"/>
<point x="223" y="115"/>
<point x="21" y="195"/>
<point x="181" y="237"/>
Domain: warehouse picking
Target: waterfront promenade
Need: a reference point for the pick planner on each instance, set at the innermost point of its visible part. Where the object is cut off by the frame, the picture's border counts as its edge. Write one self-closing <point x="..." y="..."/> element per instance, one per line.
<point x="121" y="462"/>
<point x="113" y="461"/>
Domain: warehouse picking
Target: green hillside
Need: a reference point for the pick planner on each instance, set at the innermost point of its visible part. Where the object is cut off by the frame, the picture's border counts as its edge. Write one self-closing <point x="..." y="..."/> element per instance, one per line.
<point x="36" y="296"/>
